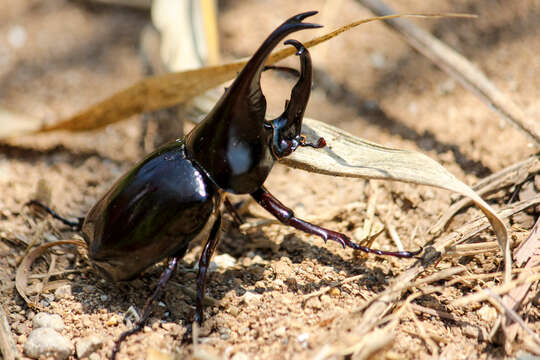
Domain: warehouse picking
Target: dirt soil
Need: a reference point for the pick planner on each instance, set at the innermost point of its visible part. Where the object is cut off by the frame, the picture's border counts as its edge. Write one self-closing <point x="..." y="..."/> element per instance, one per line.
<point x="57" y="57"/>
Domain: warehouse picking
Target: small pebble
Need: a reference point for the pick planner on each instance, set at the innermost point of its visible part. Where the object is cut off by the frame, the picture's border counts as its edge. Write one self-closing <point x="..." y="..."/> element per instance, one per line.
<point x="46" y="342"/>
<point x="131" y="316"/>
<point x="94" y="356"/>
<point x="378" y="60"/>
<point x="334" y="292"/>
<point x="240" y="356"/>
<point x="21" y="339"/>
<point x="17" y="36"/>
<point x="85" y="347"/>
<point x="303" y="339"/>
<point x="104" y="297"/>
<point x="63" y="292"/>
<point x="113" y="320"/>
<point x="314" y="303"/>
<point x="488" y="314"/>
<point x="251" y="298"/>
<point x="280" y="331"/>
<point x="224" y="261"/>
<point x="45" y="320"/>
<point x="470" y="331"/>
<point x="225" y="333"/>
<point x="233" y="310"/>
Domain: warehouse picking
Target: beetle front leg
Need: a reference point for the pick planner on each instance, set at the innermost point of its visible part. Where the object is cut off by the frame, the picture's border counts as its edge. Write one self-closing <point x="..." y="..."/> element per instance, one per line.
<point x="204" y="262"/>
<point x="286" y="216"/>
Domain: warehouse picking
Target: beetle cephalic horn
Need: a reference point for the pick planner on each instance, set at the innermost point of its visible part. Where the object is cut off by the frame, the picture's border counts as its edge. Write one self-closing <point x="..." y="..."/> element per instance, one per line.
<point x="251" y="74"/>
<point x="233" y="142"/>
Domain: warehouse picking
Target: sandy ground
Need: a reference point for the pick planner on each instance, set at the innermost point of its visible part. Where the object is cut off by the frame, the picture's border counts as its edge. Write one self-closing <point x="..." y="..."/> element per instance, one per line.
<point x="56" y="57"/>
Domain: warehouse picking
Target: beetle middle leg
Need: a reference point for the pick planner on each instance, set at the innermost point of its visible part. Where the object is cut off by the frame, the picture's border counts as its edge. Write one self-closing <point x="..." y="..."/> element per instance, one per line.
<point x="204" y="262"/>
<point x="286" y="216"/>
<point x="160" y="288"/>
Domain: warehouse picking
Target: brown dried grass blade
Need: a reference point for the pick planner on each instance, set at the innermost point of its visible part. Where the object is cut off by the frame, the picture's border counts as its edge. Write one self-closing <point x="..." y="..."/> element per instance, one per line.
<point x="349" y="156"/>
<point x="23" y="271"/>
<point x="162" y="91"/>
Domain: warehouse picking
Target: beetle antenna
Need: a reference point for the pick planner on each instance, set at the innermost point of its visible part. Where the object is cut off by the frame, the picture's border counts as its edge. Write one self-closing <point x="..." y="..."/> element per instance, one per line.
<point x="77" y="225"/>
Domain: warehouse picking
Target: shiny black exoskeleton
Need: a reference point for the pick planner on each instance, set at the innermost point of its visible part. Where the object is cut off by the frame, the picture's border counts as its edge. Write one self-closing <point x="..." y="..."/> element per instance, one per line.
<point x="174" y="195"/>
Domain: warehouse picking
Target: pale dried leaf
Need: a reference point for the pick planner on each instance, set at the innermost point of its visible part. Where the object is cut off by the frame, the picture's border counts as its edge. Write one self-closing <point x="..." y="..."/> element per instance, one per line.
<point x="347" y="155"/>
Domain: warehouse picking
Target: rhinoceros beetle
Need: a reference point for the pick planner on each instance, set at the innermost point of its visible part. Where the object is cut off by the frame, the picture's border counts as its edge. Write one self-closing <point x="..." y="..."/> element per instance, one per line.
<point x="174" y="195"/>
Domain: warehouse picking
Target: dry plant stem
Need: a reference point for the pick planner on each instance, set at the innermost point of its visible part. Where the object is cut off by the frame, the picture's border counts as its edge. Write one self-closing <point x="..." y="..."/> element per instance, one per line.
<point x="430" y="344"/>
<point x="473" y="249"/>
<point x="45" y="281"/>
<point x="460" y="68"/>
<point x="512" y="314"/>
<point x="394" y="234"/>
<point x="8" y="349"/>
<point x="370" y="214"/>
<point x="440" y="275"/>
<point x="364" y="348"/>
<point x="23" y="270"/>
<point x="377" y="308"/>
<point x="57" y="273"/>
<point x="528" y="257"/>
<point x="509" y="176"/>
<point x="465" y="278"/>
<point x="499" y="290"/>
<point x="430" y="311"/>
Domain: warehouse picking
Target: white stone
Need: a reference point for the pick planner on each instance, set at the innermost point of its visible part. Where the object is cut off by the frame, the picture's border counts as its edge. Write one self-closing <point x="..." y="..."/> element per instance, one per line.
<point x="46" y="342"/>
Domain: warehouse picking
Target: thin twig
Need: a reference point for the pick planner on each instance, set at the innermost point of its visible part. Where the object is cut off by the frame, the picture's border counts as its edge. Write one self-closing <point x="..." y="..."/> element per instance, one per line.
<point x="513" y="174"/>
<point x="457" y="66"/>
<point x="422" y="332"/>
<point x="465" y="278"/>
<point x="473" y="249"/>
<point x="499" y="290"/>
<point x="512" y="314"/>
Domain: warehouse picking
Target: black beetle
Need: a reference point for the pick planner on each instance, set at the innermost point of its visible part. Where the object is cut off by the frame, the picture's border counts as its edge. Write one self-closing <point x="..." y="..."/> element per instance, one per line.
<point x="174" y="195"/>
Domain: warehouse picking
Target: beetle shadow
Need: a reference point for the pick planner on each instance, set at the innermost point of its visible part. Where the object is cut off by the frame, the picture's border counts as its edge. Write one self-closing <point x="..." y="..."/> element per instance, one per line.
<point x="177" y="304"/>
<point x="57" y="153"/>
<point x="372" y="112"/>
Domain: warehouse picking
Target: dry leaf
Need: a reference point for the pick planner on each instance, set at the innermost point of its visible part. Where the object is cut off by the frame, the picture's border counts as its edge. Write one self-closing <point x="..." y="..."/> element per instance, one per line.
<point x="162" y="91"/>
<point x="21" y="277"/>
<point x="347" y="155"/>
<point x="15" y="124"/>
